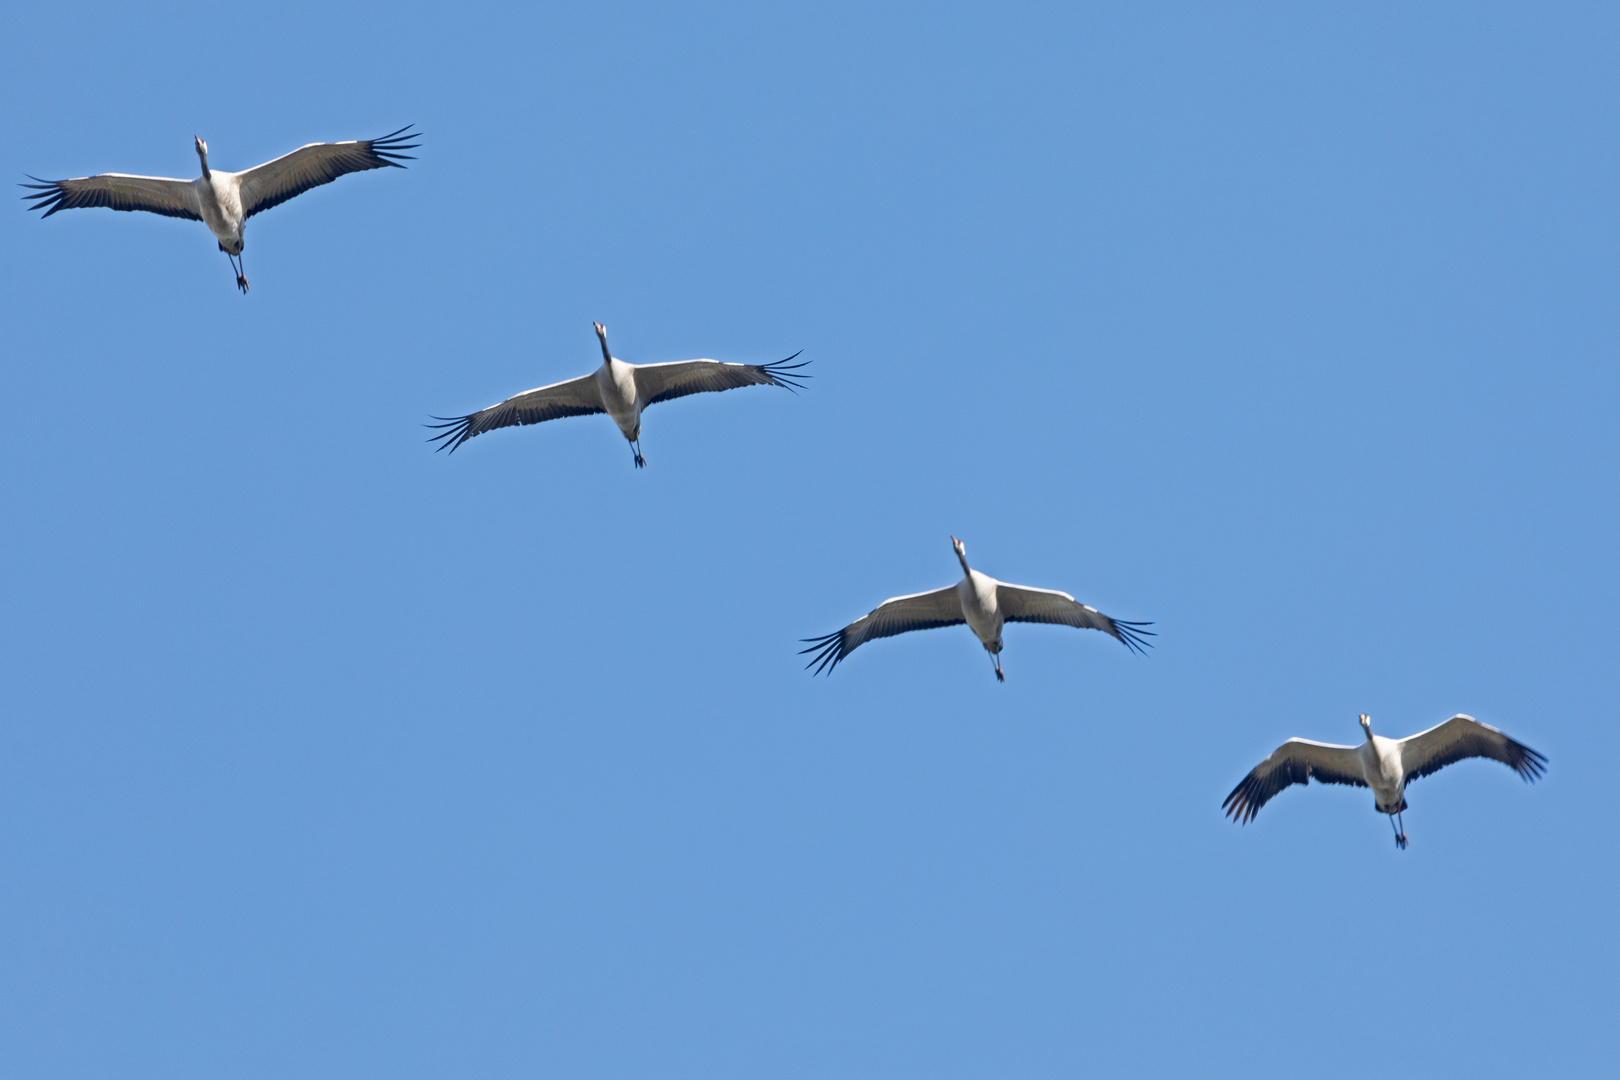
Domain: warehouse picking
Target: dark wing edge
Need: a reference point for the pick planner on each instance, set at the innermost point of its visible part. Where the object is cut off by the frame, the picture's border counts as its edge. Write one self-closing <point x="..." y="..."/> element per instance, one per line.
<point x="1527" y="763"/>
<point x="368" y="154"/>
<point x="1267" y="779"/>
<point x="1132" y="636"/>
<point x="1129" y="634"/>
<point x="831" y="648"/>
<point x="1040" y="610"/>
<point x="45" y="193"/>
<point x="781" y="373"/>
<point x="54" y="195"/>
<point x="458" y="429"/>
<point x="388" y="147"/>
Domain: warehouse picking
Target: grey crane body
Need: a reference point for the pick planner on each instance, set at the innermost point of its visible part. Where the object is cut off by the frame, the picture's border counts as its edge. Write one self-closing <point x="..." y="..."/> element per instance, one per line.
<point x="221" y="200"/>
<point x="978" y="600"/>
<point x="619" y="389"/>
<point x="1386" y="766"/>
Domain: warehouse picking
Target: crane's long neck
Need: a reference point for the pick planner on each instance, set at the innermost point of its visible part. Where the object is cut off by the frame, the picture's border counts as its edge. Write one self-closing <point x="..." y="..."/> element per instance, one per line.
<point x="961" y="558"/>
<point x="202" y="156"/>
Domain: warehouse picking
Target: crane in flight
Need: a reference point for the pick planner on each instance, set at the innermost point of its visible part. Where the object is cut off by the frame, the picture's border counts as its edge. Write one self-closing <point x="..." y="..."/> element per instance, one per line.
<point x="1385" y="765"/>
<point x="978" y="600"/>
<point x="619" y="389"/>
<point x="225" y="200"/>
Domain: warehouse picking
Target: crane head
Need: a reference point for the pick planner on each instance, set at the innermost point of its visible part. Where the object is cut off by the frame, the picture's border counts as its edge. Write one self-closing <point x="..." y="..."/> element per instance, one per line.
<point x="601" y="335"/>
<point x="1366" y="723"/>
<point x="202" y="147"/>
<point x="959" y="548"/>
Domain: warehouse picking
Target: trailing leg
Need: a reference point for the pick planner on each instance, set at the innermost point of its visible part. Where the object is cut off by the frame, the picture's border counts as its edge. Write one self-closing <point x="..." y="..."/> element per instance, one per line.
<point x="241" y="278"/>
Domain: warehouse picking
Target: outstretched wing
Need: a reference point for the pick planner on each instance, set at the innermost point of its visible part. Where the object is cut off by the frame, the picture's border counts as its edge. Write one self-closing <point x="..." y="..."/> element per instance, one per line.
<point x="576" y="397"/>
<point x="1296" y="761"/>
<point x="919" y="611"/>
<point x="116" y="191"/>
<point x="1020" y="603"/>
<point x="1464" y="737"/>
<point x="274" y="182"/>
<point x="661" y="382"/>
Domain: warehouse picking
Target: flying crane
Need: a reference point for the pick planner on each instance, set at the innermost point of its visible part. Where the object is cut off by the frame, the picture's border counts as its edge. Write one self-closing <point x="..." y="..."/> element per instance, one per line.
<point x="225" y="200"/>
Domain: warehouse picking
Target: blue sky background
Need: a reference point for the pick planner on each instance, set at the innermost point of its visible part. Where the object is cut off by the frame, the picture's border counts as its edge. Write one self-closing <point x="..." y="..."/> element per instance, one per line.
<point x="1291" y="330"/>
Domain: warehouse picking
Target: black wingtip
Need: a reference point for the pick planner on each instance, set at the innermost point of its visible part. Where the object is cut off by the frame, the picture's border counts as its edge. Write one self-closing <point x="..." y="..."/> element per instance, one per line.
<point x="459" y="430"/>
<point x="1133" y="637"/>
<point x="779" y="373"/>
<point x="1531" y="764"/>
<point x="828" y="651"/>
<point x="46" y="195"/>
<point x="1240" y="805"/>
<point x="387" y="149"/>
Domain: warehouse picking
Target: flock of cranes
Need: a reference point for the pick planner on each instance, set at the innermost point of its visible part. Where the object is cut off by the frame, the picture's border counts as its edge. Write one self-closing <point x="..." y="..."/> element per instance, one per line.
<point x="224" y="201"/>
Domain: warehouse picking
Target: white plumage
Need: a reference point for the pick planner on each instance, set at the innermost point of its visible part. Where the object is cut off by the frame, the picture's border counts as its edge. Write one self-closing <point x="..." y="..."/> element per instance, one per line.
<point x="978" y="600"/>
<point x="224" y="200"/>
<point x="1384" y="765"/>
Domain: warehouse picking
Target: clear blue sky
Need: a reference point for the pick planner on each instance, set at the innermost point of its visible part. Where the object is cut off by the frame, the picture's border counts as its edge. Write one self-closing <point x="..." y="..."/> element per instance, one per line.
<point x="1291" y="330"/>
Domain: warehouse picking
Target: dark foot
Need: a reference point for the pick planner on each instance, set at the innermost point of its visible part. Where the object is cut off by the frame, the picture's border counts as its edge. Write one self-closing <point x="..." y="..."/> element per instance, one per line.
<point x="241" y="283"/>
<point x="999" y="676"/>
<point x="1400" y="841"/>
<point x="641" y="462"/>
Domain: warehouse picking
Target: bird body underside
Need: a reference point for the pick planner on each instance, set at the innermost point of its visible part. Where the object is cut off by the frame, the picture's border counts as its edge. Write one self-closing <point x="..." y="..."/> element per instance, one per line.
<point x="219" y="198"/>
<point x="1381" y="770"/>
<point x="976" y="594"/>
<point x="616" y="383"/>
